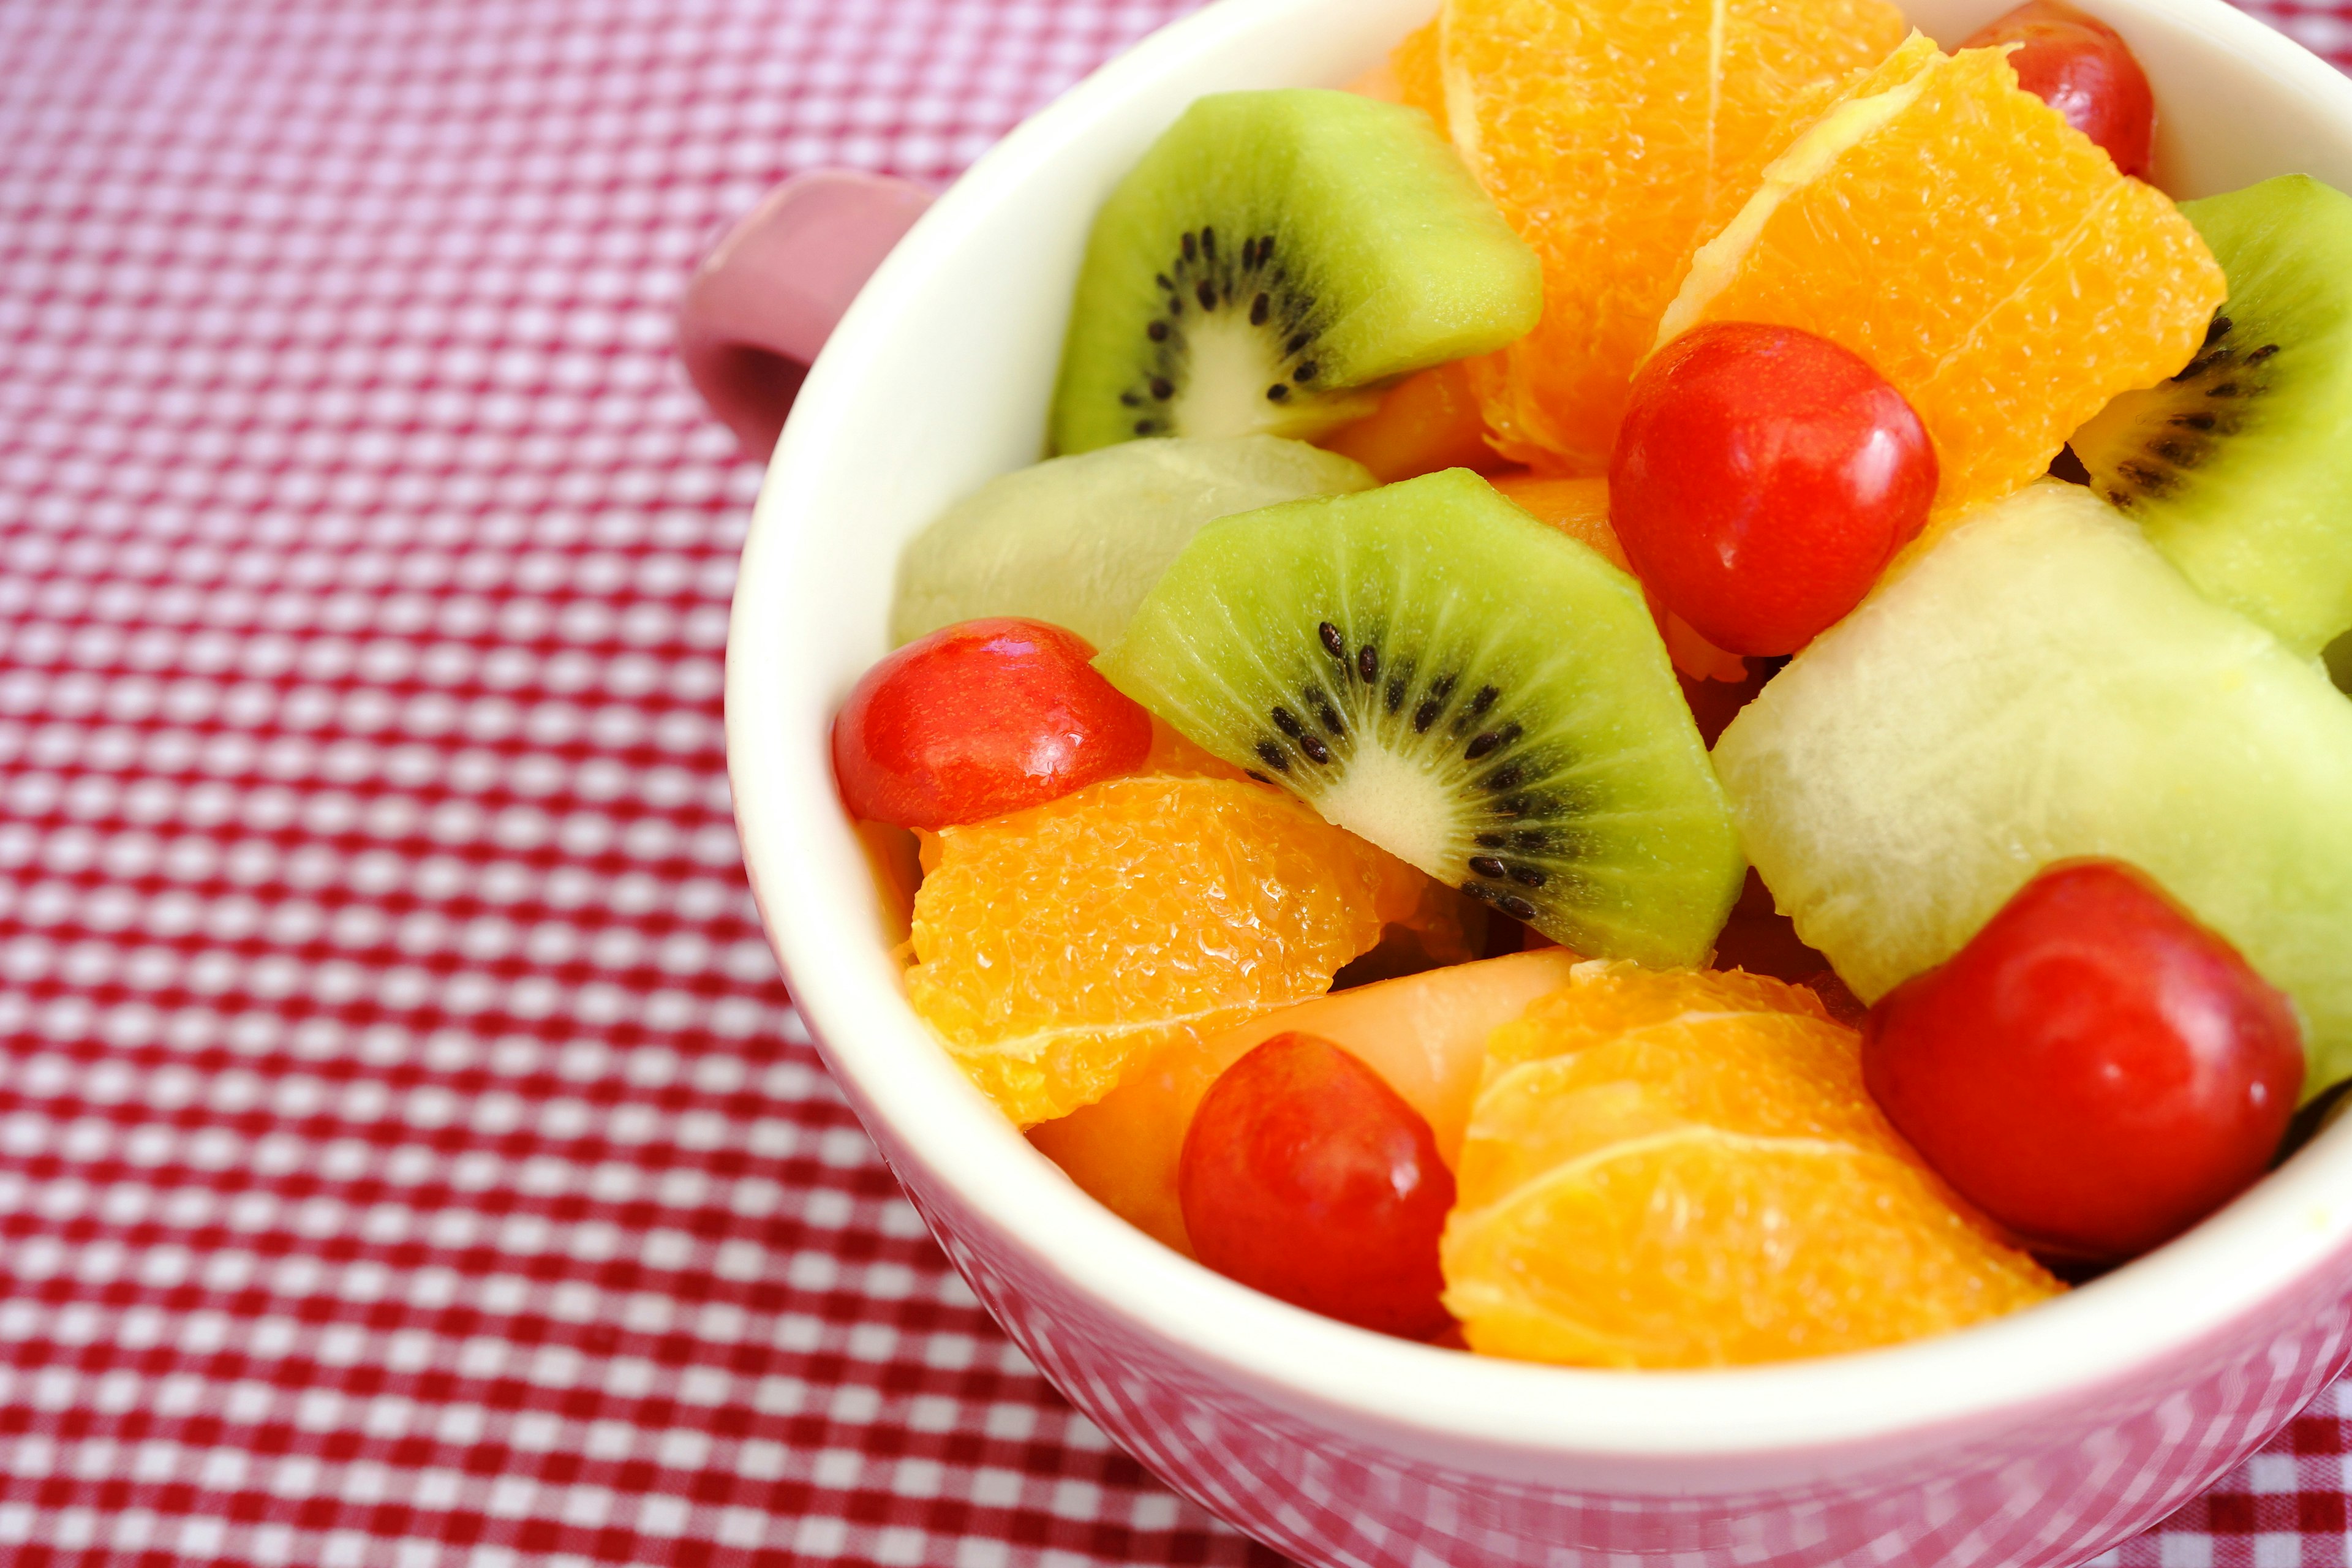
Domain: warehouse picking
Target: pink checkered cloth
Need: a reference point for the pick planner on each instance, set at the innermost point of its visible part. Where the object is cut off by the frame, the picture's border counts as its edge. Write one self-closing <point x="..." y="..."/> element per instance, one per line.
<point x="408" y="1154"/>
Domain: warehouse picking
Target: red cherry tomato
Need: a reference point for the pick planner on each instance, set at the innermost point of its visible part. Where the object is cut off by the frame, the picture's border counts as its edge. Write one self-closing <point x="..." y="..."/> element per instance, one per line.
<point x="2078" y="66"/>
<point x="2094" y="1068"/>
<point x="980" y="718"/>
<point x="1306" y="1177"/>
<point x="1762" y="479"/>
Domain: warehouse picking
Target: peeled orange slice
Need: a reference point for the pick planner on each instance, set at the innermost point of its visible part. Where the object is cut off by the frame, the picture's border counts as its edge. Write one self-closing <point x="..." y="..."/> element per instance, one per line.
<point x="1616" y="139"/>
<point x="1980" y="253"/>
<point x="1053" y="945"/>
<point x="1579" y="508"/>
<point x="1684" y="1170"/>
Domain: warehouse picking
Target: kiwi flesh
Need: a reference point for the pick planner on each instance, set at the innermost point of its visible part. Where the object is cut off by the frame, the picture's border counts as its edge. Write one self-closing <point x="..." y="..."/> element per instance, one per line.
<point x="1277" y="258"/>
<point x="2235" y="468"/>
<point x="1435" y="671"/>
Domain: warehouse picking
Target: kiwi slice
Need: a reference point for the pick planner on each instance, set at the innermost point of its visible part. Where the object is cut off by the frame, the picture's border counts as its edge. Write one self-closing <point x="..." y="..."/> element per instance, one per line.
<point x="1434" y="670"/>
<point x="1275" y="258"/>
<point x="2235" y="467"/>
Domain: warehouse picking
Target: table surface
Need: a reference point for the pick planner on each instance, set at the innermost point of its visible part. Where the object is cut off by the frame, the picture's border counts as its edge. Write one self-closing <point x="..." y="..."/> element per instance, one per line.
<point x="408" y="1153"/>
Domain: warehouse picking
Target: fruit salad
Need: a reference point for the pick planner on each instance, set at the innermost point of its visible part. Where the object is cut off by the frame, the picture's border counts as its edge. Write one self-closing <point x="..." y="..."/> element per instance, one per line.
<point x="1666" y="701"/>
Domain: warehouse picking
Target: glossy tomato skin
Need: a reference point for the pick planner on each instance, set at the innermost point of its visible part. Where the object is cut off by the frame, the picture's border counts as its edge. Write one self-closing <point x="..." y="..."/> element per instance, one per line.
<point x="2094" y="1069"/>
<point x="1762" y="479"/>
<point x="2080" y="67"/>
<point x="1306" y="1177"/>
<point x="980" y="719"/>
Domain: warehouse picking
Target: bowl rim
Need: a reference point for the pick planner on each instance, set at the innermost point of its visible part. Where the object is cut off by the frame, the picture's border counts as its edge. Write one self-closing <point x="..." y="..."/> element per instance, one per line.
<point x="943" y="1134"/>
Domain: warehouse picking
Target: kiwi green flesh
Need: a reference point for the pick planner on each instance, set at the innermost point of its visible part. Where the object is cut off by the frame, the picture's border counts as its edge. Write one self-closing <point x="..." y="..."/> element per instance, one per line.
<point x="2236" y="468"/>
<point x="1276" y="259"/>
<point x="1483" y="696"/>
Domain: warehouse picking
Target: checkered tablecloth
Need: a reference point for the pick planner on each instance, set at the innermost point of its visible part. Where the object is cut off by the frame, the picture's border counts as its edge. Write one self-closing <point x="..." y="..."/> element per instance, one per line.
<point x="408" y="1154"/>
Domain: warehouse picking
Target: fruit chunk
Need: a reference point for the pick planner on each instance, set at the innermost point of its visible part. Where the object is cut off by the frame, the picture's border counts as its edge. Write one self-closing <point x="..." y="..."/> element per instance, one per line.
<point x="1080" y="541"/>
<point x="2094" y="1069"/>
<point x="1761" y="940"/>
<point x="1427" y="422"/>
<point x="1307" y="1177"/>
<point x="2081" y="67"/>
<point x="1684" y="1170"/>
<point x="1425" y="1034"/>
<point x="1615" y="139"/>
<point x="894" y="861"/>
<point x="2235" y="467"/>
<point x="2041" y="685"/>
<point x="1444" y="926"/>
<point x="1056" y="945"/>
<point x="1273" y="256"/>
<point x="1976" y="250"/>
<point x="1579" y="508"/>
<point x="1763" y="479"/>
<point x="978" y="720"/>
<point x="1472" y="691"/>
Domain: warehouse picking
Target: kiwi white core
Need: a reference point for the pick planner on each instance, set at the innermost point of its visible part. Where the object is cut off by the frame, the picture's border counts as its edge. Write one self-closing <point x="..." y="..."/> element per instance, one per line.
<point x="1230" y="367"/>
<point x="1399" y="803"/>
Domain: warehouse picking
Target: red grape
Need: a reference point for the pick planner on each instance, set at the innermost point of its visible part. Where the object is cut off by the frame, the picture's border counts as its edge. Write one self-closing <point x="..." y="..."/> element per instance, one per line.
<point x="2078" y="66"/>
<point x="980" y="718"/>
<point x="2094" y="1069"/>
<point x="1306" y="1177"/>
<point x="1762" y="479"/>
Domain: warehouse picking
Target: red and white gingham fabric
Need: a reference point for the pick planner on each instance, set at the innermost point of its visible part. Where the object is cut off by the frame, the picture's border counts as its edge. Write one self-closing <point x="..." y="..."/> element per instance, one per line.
<point x="408" y="1154"/>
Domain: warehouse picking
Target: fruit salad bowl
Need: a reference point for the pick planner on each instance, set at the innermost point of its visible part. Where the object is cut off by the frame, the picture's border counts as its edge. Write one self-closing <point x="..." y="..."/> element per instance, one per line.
<point x="2041" y="1438"/>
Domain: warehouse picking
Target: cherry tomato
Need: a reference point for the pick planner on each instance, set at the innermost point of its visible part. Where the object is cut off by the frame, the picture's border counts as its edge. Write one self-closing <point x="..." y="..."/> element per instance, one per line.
<point x="2094" y="1069"/>
<point x="980" y="718"/>
<point x="1762" y="479"/>
<point x="1306" y="1177"/>
<point x="2079" y="65"/>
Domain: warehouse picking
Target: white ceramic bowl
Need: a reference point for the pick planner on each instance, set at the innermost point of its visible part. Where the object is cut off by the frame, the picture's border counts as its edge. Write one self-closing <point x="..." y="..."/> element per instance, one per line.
<point x="2039" y="1440"/>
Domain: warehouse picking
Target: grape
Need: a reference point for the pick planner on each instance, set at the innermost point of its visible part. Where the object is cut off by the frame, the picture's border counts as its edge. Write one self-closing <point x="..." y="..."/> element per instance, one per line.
<point x="1762" y="479"/>
<point x="2093" y="1070"/>
<point x="1306" y="1177"/>
<point x="980" y="719"/>
<point x="2078" y="66"/>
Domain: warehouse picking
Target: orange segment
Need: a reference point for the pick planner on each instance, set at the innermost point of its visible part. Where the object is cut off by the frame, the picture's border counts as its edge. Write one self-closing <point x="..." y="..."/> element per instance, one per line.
<point x="1414" y="68"/>
<point x="1615" y="139"/>
<point x="1980" y="253"/>
<point x="1579" y="508"/>
<point x="1683" y="1170"/>
<point x="1055" y="944"/>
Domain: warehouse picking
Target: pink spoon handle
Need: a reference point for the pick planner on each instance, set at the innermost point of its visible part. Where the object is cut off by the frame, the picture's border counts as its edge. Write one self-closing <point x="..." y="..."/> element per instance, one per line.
<point x="766" y="297"/>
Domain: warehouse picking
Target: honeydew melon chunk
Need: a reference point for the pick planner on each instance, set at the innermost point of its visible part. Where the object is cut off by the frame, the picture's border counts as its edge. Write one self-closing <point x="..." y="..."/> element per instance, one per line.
<point x="2038" y="685"/>
<point x="1078" y="541"/>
